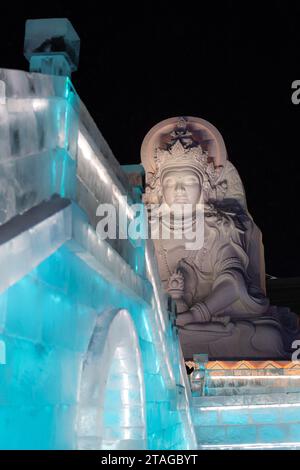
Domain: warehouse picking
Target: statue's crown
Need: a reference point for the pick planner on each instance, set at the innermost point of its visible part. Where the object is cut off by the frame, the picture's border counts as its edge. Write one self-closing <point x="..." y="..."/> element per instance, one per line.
<point x="181" y="150"/>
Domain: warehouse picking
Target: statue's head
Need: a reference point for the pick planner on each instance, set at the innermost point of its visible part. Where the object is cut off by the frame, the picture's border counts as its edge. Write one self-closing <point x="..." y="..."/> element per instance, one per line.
<point x="180" y="168"/>
<point x="180" y="156"/>
<point x="181" y="186"/>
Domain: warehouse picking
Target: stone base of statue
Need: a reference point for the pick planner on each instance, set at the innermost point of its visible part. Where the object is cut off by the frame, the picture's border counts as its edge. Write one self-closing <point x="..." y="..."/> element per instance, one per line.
<point x="270" y="336"/>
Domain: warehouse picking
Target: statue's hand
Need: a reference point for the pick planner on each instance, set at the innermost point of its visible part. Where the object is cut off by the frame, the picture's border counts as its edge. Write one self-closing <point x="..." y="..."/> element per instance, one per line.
<point x="199" y="313"/>
<point x="176" y="285"/>
<point x="225" y="319"/>
<point x="189" y="317"/>
<point x="184" y="318"/>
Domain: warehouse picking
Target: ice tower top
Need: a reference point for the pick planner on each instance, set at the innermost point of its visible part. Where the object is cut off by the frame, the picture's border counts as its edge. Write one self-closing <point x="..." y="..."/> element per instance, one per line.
<point x="51" y="46"/>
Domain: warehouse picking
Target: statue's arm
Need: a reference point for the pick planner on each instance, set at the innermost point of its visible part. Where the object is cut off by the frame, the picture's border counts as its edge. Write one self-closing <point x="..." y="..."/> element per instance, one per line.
<point x="229" y="281"/>
<point x="229" y="286"/>
<point x="224" y="292"/>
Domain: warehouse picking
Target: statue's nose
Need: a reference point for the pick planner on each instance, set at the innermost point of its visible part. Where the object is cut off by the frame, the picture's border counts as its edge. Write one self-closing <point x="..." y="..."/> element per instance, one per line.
<point x="179" y="187"/>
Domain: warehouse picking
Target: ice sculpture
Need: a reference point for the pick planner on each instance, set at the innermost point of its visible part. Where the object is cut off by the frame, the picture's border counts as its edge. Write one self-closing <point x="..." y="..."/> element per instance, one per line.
<point x="70" y="302"/>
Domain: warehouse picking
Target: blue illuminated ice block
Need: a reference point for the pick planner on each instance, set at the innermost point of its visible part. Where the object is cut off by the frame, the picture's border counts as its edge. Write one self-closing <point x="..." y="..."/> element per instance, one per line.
<point x="51" y="46"/>
<point x="38" y="140"/>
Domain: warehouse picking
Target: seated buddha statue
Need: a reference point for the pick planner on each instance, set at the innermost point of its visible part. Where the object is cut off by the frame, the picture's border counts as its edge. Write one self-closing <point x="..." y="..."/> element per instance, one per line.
<point x="218" y="283"/>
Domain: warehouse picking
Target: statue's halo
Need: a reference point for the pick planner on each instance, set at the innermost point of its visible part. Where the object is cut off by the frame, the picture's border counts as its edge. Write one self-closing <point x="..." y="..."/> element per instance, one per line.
<point x="203" y="132"/>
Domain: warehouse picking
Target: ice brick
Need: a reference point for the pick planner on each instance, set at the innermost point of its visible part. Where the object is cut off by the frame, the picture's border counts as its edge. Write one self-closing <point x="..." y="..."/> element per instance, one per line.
<point x="241" y="434"/>
<point x="25" y="251"/>
<point x="269" y="433"/>
<point x="36" y="374"/>
<point x="51" y="37"/>
<point x="2" y="92"/>
<point x="27" y="427"/>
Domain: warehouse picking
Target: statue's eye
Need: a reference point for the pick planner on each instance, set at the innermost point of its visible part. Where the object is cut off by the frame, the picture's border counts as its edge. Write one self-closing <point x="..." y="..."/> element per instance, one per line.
<point x="191" y="180"/>
<point x="168" y="182"/>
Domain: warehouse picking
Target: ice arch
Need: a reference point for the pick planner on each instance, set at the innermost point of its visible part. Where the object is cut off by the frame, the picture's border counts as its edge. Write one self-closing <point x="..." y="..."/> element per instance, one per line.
<point x="111" y="408"/>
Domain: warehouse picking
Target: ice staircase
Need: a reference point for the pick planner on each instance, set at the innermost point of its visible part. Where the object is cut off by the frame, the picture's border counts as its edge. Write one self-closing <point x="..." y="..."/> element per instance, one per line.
<point x="248" y="407"/>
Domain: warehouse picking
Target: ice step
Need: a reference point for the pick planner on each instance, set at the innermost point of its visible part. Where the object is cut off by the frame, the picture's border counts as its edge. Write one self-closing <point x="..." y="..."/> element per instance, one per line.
<point x="247" y="422"/>
<point x="256" y="381"/>
<point x="248" y="390"/>
<point x="281" y="435"/>
<point x="251" y="382"/>
<point x="258" y="446"/>
<point x="235" y="400"/>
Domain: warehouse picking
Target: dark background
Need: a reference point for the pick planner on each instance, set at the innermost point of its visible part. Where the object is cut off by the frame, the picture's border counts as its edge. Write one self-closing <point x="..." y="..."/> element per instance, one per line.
<point x="223" y="61"/>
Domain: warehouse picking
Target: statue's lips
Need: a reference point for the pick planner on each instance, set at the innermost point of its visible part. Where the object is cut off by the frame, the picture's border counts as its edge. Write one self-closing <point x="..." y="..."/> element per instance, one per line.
<point x="181" y="199"/>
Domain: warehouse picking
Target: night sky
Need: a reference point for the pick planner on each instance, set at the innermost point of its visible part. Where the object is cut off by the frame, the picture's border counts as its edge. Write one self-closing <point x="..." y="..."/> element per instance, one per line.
<point x="231" y="65"/>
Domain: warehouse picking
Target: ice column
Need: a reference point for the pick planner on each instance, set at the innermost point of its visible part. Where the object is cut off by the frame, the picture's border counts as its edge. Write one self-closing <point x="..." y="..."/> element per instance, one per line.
<point x="52" y="46"/>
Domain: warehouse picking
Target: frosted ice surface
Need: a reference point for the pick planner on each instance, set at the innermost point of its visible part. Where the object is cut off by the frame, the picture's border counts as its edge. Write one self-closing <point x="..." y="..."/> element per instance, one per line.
<point x="2" y="92"/>
<point x="52" y="36"/>
<point x="38" y="141"/>
<point x="25" y="251"/>
<point x="99" y="254"/>
<point x="64" y="435"/>
<point x="2" y="353"/>
<point x="124" y="444"/>
<point x="51" y="65"/>
<point x="24" y="85"/>
<point x="118" y="391"/>
<point x="101" y="180"/>
<point x="37" y="374"/>
<point x="62" y="315"/>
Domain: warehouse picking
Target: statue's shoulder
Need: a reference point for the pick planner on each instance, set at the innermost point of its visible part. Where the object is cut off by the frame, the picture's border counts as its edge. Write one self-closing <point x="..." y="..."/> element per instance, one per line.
<point x="230" y="173"/>
<point x="225" y="241"/>
<point x="227" y="217"/>
<point x="225" y="183"/>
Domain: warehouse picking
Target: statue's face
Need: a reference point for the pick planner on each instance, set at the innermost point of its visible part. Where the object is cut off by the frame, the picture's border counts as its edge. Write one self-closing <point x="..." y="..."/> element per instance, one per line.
<point x="181" y="187"/>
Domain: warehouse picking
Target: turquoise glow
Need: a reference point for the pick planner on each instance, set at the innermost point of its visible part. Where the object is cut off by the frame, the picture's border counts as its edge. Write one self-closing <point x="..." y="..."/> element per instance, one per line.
<point x="53" y="175"/>
<point x="50" y="315"/>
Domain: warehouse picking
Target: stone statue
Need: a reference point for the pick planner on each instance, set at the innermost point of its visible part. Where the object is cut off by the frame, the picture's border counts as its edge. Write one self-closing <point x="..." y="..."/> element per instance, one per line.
<point x="219" y="288"/>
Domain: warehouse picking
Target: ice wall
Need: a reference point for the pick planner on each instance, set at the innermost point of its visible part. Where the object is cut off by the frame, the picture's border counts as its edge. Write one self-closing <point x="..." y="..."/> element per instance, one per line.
<point x="92" y="357"/>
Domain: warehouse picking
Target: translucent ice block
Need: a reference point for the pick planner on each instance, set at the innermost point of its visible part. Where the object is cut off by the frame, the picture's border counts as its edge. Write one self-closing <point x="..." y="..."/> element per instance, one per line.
<point x="105" y="256"/>
<point x="38" y="140"/>
<point x="2" y="92"/>
<point x="45" y="314"/>
<point x="22" y="252"/>
<point x="117" y="391"/>
<point x="64" y="428"/>
<point x="26" y="427"/>
<point x="51" y="37"/>
<point x="39" y="375"/>
<point x="61" y="315"/>
<point x="37" y="427"/>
